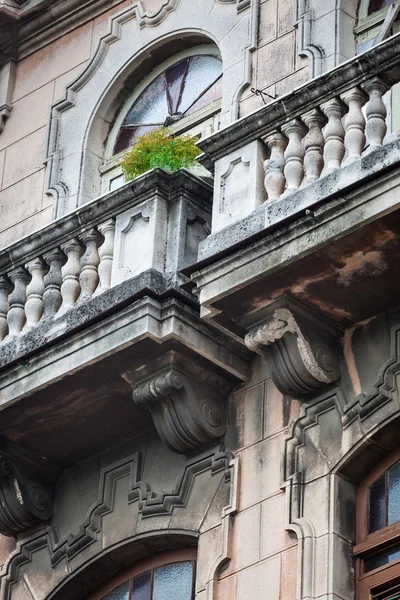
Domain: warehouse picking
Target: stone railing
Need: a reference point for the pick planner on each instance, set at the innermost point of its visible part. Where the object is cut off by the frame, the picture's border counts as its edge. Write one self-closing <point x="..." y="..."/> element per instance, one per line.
<point x="316" y="143"/>
<point x="101" y="244"/>
<point x="296" y="140"/>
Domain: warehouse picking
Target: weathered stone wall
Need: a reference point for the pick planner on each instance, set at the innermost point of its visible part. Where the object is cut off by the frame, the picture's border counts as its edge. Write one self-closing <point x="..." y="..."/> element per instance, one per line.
<point x="263" y="553"/>
<point x="41" y="78"/>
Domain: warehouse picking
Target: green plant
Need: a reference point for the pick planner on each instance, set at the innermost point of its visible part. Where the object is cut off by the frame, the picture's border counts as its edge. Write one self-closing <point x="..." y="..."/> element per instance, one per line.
<point x="159" y="148"/>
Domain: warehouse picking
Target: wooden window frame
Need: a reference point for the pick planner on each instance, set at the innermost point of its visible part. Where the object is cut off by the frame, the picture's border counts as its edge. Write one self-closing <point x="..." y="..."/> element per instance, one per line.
<point x="369" y="543"/>
<point x="161" y="559"/>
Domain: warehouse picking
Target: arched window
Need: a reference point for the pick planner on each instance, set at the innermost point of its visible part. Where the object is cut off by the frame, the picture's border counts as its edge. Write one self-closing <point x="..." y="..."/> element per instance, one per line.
<point x="378" y="532"/>
<point x="167" y="576"/>
<point x="183" y="93"/>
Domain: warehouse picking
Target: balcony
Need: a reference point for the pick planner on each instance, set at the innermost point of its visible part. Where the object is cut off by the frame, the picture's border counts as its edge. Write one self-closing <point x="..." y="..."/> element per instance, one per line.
<point x="305" y="201"/>
<point x="92" y="309"/>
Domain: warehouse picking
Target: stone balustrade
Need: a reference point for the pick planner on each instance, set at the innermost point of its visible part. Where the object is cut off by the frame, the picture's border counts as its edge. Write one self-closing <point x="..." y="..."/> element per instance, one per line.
<point x="324" y="138"/>
<point x="304" y="136"/>
<point x="55" y="281"/>
<point x="151" y="224"/>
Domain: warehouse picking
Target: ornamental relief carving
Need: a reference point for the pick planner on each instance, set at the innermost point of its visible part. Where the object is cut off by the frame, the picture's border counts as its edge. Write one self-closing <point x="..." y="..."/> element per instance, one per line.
<point x="299" y="347"/>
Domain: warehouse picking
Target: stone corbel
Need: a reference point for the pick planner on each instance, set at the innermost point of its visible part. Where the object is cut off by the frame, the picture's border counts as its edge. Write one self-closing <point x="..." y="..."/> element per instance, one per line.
<point x="186" y="402"/>
<point x="299" y="347"/>
<point x="26" y="488"/>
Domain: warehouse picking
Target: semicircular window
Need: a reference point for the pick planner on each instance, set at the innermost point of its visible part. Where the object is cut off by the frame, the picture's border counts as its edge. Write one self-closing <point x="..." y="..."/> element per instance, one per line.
<point x="178" y="92"/>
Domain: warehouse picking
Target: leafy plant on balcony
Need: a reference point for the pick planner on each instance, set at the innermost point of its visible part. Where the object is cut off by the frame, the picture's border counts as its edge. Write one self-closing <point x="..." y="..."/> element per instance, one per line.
<point x="159" y="148"/>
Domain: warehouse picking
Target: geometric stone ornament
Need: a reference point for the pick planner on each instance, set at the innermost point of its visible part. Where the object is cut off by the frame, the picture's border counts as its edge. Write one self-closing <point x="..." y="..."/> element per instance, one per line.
<point x="26" y="488"/>
<point x="299" y="347"/>
<point x="186" y="402"/>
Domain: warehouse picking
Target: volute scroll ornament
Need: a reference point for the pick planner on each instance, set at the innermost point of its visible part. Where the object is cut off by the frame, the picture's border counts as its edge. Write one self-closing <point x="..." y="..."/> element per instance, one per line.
<point x="300" y="349"/>
<point x="187" y="409"/>
<point x="26" y="488"/>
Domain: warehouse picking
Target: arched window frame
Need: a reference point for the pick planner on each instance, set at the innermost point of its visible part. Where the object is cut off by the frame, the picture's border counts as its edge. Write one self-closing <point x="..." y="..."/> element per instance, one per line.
<point x="159" y="560"/>
<point x="368" y="544"/>
<point x="193" y="124"/>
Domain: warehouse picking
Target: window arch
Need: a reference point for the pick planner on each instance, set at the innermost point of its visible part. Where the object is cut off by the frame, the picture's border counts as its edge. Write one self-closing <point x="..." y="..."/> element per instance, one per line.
<point x="166" y="576"/>
<point x="378" y="532"/>
<point x="183" y="93"/>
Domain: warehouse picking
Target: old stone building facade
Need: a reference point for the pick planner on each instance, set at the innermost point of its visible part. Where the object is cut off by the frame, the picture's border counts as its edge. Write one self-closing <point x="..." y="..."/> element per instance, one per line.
<point x="199" y="371"/>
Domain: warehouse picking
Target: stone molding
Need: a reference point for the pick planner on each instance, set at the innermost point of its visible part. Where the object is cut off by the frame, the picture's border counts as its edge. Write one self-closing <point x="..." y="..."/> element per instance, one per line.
<point x="186" y="405"/>
<point x="26" y="488"/>
<point x="360" y="420"/>
<point x="298" y="347"/>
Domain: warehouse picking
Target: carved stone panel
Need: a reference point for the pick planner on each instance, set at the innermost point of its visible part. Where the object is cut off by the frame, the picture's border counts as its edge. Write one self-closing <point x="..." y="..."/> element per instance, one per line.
<point x="186" y="403"/>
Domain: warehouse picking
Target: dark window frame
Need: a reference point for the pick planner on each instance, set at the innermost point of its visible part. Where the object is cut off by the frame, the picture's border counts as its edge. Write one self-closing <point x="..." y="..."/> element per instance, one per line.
<point x="151" y="563"/>
<point x="381" y="579"/>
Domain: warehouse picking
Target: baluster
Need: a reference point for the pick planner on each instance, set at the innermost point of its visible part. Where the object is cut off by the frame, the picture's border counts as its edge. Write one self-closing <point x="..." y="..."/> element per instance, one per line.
<point x="375" y="111"/>
<point x="334" y="135"/>
<point x="70" y="287"/>
<point x="354" y="139"/>
<point x="294" y="154"/>
<point x="273" y="167"/>
<point x="89" y="277"/>
<point x="16" y="313"/>
<point x="106" y="254"/>
<point x="35" y="290"/>
<point x="52" y="298"/>
<point x="5" y="289"/>
<point x="313" y="145"/>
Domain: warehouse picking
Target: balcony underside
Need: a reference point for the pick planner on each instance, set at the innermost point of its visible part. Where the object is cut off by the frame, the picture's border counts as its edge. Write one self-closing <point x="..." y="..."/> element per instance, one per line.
<point x="338" y="255"/>
<point x="72" y="397"/>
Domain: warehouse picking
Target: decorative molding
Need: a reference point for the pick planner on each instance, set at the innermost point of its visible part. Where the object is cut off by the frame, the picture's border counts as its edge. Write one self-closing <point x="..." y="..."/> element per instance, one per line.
<point x="299" y="348"/>
<point x="305" y="47"/>
<point x="186" y="405"/>
<point x="26" y="488"/>
<point x="151" y="504"/>
<point x="7" y="81"/>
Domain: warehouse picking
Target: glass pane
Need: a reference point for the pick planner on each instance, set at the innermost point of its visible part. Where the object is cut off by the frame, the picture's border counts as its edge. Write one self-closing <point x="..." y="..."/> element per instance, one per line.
<point x="116" y="182"/>
<point x="202" y="72"/>
<point x="375" y="5"/>
<point x="151" y="106"/>
<point x="383" y="558"/>
<point x="173" y="582"/>
<point x="174" y="77"/>
<point x="142" y="586"/>
<point x="127" y="137"/>
<point x="120" y="593"/>
<point x="394" y="494"/>
<point x="212" y="94"/>
<point x="377" y="505"/>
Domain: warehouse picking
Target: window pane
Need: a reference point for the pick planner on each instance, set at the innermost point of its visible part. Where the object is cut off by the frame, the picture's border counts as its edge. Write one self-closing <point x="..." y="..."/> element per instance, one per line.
<point x="152" y="105"/>
<point x="141" y="587"/>
<point x="212" y="94"/>
<point x="383" y="558"/>
<point x="377" y="505"/>
<point x="174" y="77"/>
<point x="120" y="593"/>
<point x="127" y="136"/>
<point x="394" y="494"/>
<point x="202" y="72"/>
<point x="173" y="582"/>
<point x="375" y="5"/>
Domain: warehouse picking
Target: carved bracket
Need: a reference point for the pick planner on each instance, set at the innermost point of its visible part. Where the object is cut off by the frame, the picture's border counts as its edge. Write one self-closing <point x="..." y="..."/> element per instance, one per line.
<point x="300" y="348"/>
<point x="185" y="402"/>
<point x="26" y="482"/>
